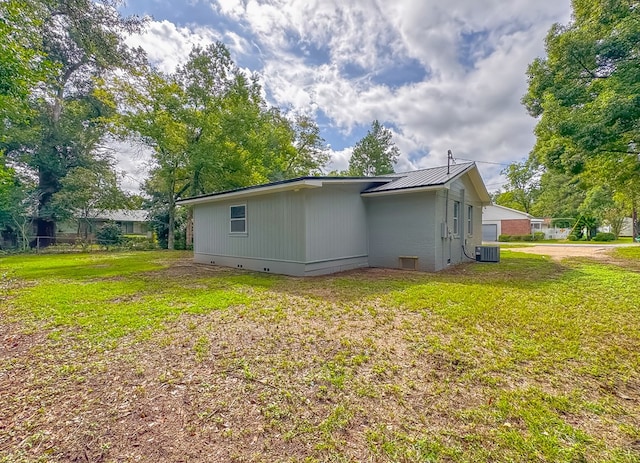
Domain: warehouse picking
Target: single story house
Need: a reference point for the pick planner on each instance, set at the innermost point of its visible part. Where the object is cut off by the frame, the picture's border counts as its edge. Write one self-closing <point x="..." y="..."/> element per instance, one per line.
<point x="423" y="220"/>
<point x="131" y="222"/>
<point x="500" y="220"/>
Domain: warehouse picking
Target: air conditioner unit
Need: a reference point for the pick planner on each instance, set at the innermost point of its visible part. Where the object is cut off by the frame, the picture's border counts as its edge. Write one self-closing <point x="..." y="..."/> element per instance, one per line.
<point x="487" y="254"/>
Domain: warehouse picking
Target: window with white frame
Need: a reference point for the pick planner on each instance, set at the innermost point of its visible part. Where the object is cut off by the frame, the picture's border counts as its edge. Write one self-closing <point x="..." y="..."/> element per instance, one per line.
<point x="238" y="218"/>
<point x="456" y="217"/>
<point x="469" y="220"/>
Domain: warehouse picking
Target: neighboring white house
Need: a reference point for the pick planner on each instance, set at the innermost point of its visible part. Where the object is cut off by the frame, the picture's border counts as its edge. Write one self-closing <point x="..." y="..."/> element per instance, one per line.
<point x="423" y="220"/>
<point x="500" y="220"/>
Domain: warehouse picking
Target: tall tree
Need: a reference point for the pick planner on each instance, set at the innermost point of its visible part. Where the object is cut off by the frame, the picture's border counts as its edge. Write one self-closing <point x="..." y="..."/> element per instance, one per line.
<point x="586" y="91"/>
<point x="523" y="186"/>
<point x="375" y="154"/>
<point x="311" y="152"/>
<point x="84" y="40"/>
<point x="560" y="195"/>
<point x="156" y="104"/>
<point x="211" y="130"/>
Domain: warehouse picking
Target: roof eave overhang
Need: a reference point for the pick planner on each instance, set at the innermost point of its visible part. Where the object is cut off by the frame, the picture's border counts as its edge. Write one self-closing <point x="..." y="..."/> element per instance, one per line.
<point x="268" y="189"/>
<point x="478" y="184"/>
<point x="277" y="188"/>
<point x="405" y="190"/>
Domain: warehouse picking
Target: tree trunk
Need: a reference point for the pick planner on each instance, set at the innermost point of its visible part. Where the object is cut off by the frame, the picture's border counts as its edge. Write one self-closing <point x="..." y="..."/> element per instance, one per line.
<point x="170" y="237"/>
<point x="172" y="222"/>
<point x="189" y="237"/>
<point x="46" y="227"/>
<point x="634" y="220"/>
<point x="46" y="230"/>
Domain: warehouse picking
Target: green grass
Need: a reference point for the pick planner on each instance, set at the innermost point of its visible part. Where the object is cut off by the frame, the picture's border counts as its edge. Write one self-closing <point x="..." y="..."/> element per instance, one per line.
<point x="106" y="296"/>
<point x="525" y="360"/>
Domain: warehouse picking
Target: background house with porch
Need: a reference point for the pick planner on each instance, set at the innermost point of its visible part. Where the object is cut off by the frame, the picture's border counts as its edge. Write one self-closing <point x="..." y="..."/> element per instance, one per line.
<point x="131" y="222"/>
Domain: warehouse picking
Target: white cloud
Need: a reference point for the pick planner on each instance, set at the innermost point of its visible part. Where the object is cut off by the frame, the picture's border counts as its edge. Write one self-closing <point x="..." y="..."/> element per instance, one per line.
<point x="474" y="110"/>
<point x="133" y="163"/>
<point x="339" y="160"/>
<point x="469" y="101"/>
<point x="167" y="45"/>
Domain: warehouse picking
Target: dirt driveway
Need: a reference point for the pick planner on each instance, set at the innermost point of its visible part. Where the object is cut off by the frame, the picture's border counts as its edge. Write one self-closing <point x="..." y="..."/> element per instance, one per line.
<point x="560" y="251"/>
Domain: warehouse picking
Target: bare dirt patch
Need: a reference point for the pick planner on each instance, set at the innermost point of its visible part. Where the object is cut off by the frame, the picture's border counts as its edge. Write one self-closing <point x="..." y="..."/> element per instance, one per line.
<point x="559" y="252"/>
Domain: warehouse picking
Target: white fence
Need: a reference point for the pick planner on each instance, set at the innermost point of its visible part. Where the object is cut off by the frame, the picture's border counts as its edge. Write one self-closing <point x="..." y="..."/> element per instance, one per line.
<point x="556" y="233"/>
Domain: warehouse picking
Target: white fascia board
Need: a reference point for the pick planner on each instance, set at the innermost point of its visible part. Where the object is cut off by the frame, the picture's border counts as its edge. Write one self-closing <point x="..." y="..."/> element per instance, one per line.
<point x="361" y="180"/>
<point x="267" y="189"/>
<point x="406" y="190"/>
<point x="481" y="188"/>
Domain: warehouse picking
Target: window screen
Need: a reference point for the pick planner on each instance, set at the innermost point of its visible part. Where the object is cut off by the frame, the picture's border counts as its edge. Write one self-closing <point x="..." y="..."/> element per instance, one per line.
<point x="456" y="217"/>
<point x="238" y="219"/>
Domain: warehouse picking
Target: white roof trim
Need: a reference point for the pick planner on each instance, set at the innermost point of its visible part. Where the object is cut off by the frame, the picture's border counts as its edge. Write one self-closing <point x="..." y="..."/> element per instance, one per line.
<point x="529" y="216"/>
<point x="307" y="183"/>
<point x="302" y="184"/>
<point x="400" y="191"/>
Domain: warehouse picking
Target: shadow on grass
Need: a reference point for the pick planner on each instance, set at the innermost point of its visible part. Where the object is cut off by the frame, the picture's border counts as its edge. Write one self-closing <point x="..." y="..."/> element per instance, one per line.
<point x="514" y="271"/>
<point x="165" y="271"/>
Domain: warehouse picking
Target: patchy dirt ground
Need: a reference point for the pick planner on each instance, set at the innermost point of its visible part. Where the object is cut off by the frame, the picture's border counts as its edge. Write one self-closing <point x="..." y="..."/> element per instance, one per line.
<point x="559" y="251"/>
<point x="325" y="369"/>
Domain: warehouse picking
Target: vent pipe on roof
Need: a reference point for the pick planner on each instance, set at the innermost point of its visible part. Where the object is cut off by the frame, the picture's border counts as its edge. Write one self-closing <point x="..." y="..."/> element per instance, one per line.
<point x="450" y="160"/>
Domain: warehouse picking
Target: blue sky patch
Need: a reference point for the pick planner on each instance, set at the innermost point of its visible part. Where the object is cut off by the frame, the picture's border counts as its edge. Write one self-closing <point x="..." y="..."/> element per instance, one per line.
<point x="473" y="47"/>
<point x="183" y="14"/>
<point x="403" y="73"/>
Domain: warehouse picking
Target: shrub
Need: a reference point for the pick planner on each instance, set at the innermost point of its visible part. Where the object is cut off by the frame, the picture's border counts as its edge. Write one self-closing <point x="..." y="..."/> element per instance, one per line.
<point x="139" y="242"/>
<point x="536" y="237"/>
<point x="109" y="235"/>
<point x="572" y="237"/>
<point x="602" y="236"/>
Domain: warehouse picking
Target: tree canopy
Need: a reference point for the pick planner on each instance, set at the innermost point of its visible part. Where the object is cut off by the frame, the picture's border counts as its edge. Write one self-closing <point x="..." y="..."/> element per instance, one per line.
<point x="83" y="40"/>
<point x="210" y="130"/>
<point x="522" y="188"/>
<point x="586" y="94"/>
<point x="69" y="83"/>
<point x="375" y="154"/>
<point x="23" y="63"/>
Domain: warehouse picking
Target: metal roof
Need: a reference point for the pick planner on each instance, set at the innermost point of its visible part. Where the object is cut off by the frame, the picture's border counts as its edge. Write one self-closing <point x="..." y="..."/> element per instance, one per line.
<point x="282" y="185"/>
<point x="391" y="183"/>
<point x="123" y="215"/>
<point x="433" y="176"/>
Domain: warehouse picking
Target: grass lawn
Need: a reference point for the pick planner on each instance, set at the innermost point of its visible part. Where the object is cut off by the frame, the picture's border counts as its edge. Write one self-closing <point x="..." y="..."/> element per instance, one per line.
<point x="146" y="357"/>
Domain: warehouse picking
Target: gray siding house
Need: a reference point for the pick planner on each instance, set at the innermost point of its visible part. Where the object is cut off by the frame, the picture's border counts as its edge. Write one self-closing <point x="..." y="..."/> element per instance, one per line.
<point x="423" y="220"/>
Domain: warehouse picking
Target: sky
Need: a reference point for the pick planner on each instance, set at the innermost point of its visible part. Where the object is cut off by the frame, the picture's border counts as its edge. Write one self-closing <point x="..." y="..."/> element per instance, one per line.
<point x="441" y="75"/>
